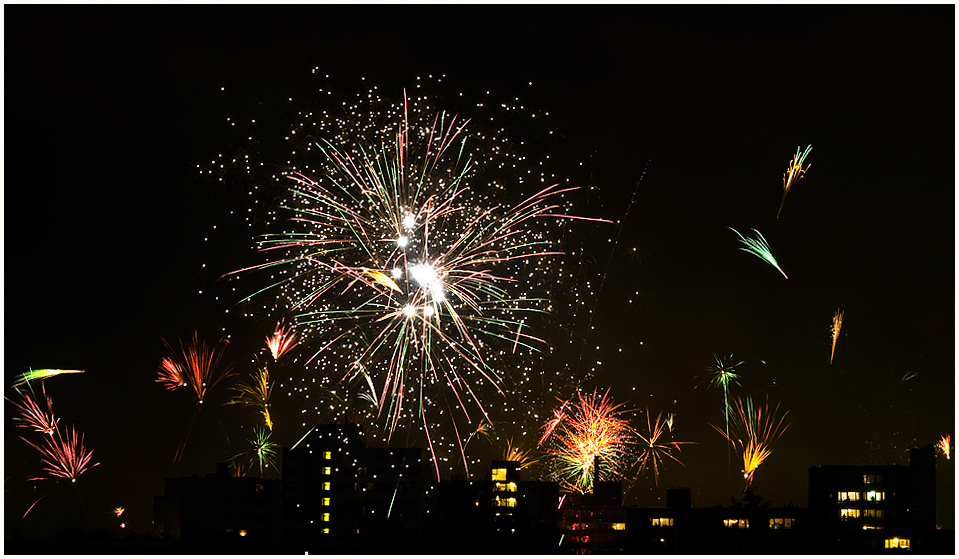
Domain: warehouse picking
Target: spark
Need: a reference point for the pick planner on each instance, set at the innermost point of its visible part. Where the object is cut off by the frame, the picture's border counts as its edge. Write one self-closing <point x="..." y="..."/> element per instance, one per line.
<point x="41" y="374"/>
<point x="836" y="326"/>
<point x="118" y="511"/>
<point x="793" y="173"/>
<point x="759" y="248"/>
<point x="262" y="453"/>
<point x="256" y="394"/>
<point x="282" y="340"/>
<point x="755" y="430"/>
<point x="653" y="452"/>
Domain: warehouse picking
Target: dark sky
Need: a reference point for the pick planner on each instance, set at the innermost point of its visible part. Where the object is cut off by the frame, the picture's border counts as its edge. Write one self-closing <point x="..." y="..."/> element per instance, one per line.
<point x="109" y="112"/>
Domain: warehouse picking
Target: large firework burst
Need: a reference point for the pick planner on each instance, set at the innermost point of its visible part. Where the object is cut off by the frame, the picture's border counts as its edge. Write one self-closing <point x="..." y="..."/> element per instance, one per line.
<point x="410" y="271"/>
<point x="592" y="434"/>
<point x="63" y="456"/>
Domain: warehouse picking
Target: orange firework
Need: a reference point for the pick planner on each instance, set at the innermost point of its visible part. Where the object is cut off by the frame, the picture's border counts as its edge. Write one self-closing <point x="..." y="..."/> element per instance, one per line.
<point x="591" y="436"/>
<point x="836" y="326"/>
<point x="945" y="446"/>
<point x="755" y="431"/>
<point x="653" y="451"/>
<point x="282" y="340"/>
<point x="63" y="457"/>
<point x="793" y="173"/>
<point x="256" y="394"/>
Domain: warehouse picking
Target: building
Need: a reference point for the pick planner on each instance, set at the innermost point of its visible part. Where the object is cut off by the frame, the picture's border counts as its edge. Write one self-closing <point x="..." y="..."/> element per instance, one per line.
<point x="219" y="507"/>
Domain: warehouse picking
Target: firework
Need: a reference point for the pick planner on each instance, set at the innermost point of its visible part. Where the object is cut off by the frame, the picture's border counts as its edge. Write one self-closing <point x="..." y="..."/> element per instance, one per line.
<point x="119" y="511"/>
<point x="196" y="369"/>
<point x="64" y="457"/>
<point x="41" y="374"/>
<point x="755" y="430"/>
<point x="759" y="248"/>
<point x="262" y="453"/>
<point x="592" y="435"/>
<point x="406" y="271"/>
<point x="33" y="415"/>
<point x="516" y="454"/>
<point x="256" y="394"/>
<point x="653" y="451"/>
<point x="836" y="326"/>
<point x="721" y="374"/>
<point x="793" y="173"/>
<point x="559" y="415"/>
<point x="282" y="340"/>
<point x="945" y="446"/>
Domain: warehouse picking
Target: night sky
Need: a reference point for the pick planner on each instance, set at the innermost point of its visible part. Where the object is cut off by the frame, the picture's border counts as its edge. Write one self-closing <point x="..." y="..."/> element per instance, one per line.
<point x="109" y="112"/>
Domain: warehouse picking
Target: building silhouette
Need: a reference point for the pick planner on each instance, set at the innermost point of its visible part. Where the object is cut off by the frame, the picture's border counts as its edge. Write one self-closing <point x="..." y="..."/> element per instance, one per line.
<point x="339" y="496"/>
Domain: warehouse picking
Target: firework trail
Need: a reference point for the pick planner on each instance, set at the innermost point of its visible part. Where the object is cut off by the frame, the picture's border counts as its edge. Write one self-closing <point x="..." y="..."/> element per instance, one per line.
<point x="196" y="366"/>
<point x="836" y="326"/>
<point x="759" y="248"/>
<point x="793" y="173"/>
<point x="63" y="457"/>
<point x="41" y="374"/>
<point x="33" y="415"/>
<point x="945" y="446"/>
<point x="256" y="394"/>
<point x="723" y="373"/>
<point x="407" y="273"/>
<point x="755" y="430"/>
<point x="592" y="429"/>
<point x="282" y="340"/>
<point x="654" y="452"/>
<point x="559" y="415"/>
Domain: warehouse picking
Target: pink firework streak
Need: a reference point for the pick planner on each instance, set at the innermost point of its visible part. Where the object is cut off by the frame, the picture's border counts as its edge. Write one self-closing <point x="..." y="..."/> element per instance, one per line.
<point x="31" y="414"/>
<point x="197" y="368"/>
<point x="282" y="341"/>
<point x="65" y="458"/>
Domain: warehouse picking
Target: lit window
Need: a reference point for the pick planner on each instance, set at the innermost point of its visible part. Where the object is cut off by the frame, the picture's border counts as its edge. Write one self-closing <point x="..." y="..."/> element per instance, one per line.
<point x="511" y="487"/>
<point x="848" y="513"/>
<point x="326" y="471"/>
<point x="848" y="496"/>
<point x="499" y="474"/>
<point x="243" y="533"/>
<point x="619" y="526"/>
<point x="326" y="530"/>
<point x="871" y="527"/>
<point x="327" y="455"/>
<point x="872" y="513"/>
<point x="780" y="523"/>
<point x="326" y="517"/>
<point x="326" y="486"/>
<point x="736" y="522"/>
<point x="871" y="478"/>
<point x="326" y="501"/>
<point x="875" y="496"/>
<point x="662" y="521"/>
<point x="897" y="543"/>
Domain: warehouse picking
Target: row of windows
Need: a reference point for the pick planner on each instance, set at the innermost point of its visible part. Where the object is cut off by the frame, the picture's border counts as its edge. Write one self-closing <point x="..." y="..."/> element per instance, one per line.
<point x="508" y="487"/>
<point x="897" y="543"/>
<point x="510" y="502"/>
<point x="598" y="526"/>
<point x="846" y="514"/>
<point x="874" y="496"/>
<point x="774" y="523"/>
